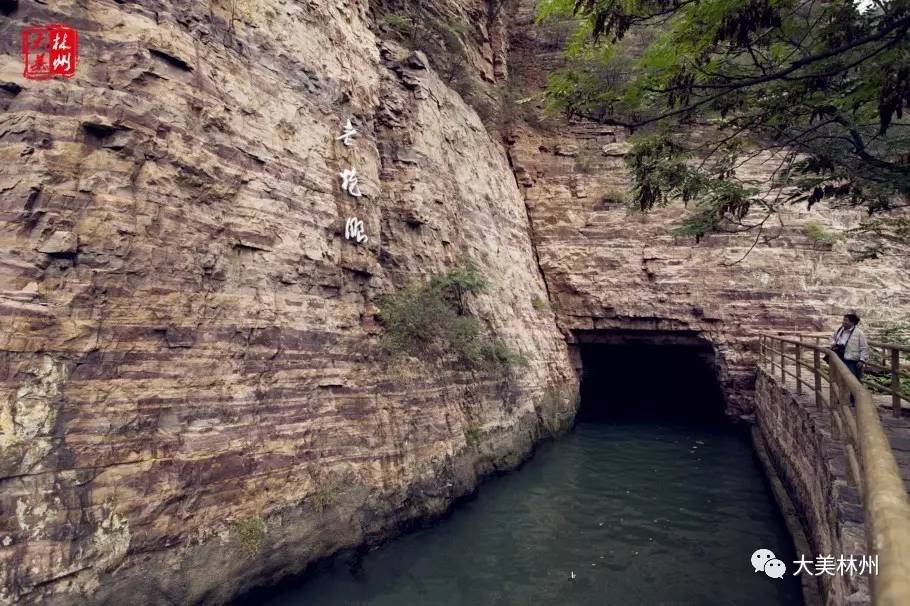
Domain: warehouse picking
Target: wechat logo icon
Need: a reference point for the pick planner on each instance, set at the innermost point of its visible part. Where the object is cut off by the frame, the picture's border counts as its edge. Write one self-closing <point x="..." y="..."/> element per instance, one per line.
<point x="764" y="560"/>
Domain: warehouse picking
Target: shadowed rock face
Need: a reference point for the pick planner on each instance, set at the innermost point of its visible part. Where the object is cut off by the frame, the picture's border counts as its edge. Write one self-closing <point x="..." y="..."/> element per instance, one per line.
<point x="191" y="394"/>
<point x="607" y="271"/>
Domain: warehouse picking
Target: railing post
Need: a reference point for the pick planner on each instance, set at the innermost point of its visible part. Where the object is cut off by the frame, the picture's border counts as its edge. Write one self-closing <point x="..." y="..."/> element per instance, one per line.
<point x="895" y="382"/>
<point x="833" y="397"/>
<point x="799" y="366"/>
<point x="836" y="413"/>
<point x="816" y="369"/>
<point x="783" y="374"/>
<point x="870" y="459"/>
<point x="771" y="355"/>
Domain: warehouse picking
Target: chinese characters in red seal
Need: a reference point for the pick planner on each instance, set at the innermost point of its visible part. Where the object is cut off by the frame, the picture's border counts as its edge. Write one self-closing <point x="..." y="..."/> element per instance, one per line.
<point x="50" y="51"/>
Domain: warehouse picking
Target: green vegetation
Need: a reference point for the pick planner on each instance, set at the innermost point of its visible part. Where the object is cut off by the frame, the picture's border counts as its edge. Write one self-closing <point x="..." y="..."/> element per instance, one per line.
<point x="398" y="23"/>
<point x="421" y="27"/>
<point x="426" y="27"/>
<point x="896" y="333"/>
<point x="823" y="88"/>
<point x="613" y="197"/>
<point x="324" y="496"/>
<point x="250" y="534"/>
<point x="538" y="303"/>
<point x="819" y="234"/>
<point x="473" y="434"/>
<point x="880" y="382"/>
<point x="515" y="105"/>
<point x="496" y="354"/>
<point x="431" y="321"/>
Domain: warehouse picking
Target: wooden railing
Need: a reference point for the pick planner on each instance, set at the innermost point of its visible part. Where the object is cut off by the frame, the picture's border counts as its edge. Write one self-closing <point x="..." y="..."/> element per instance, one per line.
<point x="890" y="360"/>
<point x="873" y="468"/>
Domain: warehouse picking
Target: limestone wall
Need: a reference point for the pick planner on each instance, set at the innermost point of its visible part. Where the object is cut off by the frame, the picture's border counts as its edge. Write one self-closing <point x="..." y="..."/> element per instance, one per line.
<point x="607" y="268"/>
<point x="192" y="396"/>
<point x="813" y="468"/>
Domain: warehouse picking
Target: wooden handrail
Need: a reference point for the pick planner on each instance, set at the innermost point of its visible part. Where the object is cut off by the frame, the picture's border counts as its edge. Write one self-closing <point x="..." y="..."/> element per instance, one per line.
<point x="826" y="335"/>
<point x="889" y="362"/>
<point x="873" y="468"/>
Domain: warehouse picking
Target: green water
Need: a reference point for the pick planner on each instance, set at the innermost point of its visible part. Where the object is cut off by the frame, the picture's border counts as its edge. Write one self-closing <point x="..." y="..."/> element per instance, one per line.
<point x="643" y="513"/>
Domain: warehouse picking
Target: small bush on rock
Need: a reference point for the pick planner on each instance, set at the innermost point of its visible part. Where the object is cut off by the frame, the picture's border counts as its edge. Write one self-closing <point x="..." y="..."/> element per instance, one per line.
<point x="819" y="234"/>
<point x="250" y="533"/>
<point x="431" y="321"/>
<point x="473" y="434"/>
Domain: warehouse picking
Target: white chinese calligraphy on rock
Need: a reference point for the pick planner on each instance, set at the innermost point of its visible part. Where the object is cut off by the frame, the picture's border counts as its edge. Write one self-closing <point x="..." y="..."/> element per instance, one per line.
<point x="350" y="183"/>
<point x="349" y="133"/>
<point x="353" y="228"/>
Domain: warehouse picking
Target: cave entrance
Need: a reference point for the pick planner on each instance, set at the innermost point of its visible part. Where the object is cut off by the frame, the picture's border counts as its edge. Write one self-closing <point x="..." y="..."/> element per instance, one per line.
<point x="659" y="375"/>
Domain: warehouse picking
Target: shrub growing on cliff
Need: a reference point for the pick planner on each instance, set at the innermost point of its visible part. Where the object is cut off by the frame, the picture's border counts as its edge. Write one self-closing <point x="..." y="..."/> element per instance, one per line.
<point x="878" y="236"/>
<point x="402" y="25"/>
<point x="426" y="28"/>
<point x="473" y="435"/>
<point x="819" y="234"/>
<point x="250" y="534"/>
<point x="538" y="303"/>
<point x="431" y="321"/>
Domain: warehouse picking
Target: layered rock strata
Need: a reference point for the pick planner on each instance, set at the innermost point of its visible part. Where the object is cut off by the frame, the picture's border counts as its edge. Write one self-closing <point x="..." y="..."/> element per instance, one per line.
<point x="611" y="270"/>
<point x="192" y="394"/>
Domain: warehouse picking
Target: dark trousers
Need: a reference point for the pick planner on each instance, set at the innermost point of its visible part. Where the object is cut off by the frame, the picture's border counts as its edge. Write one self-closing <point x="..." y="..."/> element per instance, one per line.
<point x="853" y="365"/>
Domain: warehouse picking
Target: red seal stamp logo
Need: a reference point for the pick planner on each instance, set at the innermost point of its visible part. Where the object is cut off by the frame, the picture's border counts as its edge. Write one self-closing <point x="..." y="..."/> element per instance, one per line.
<point x="50" y="51"/>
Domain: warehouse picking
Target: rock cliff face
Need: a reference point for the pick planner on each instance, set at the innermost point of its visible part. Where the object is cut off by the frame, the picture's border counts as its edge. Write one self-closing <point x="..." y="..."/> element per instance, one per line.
<point x="607" y="271"/>
<point x="192" y="399"/>
<point x="192" y="396"/>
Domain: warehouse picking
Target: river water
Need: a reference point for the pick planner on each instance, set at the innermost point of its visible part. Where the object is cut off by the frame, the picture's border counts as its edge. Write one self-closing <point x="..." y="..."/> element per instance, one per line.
<point x="642" y="512"/>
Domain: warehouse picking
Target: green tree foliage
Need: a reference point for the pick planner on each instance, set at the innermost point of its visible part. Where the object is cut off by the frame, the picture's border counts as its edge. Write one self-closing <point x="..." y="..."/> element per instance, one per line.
<point x="823" y="85"/>
<point x="431" y="321"/>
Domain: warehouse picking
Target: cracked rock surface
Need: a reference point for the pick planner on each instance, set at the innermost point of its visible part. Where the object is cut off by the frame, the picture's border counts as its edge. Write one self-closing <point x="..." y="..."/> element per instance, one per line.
<point x="192" y="396"/>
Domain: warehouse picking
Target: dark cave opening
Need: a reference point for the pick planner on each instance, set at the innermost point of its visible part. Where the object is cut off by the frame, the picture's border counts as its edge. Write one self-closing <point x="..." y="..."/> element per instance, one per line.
<point x="665" y="376"/>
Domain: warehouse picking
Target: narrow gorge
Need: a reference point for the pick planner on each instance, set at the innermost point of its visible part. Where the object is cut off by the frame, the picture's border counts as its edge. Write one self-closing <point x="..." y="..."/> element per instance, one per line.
<point x="195" y="396"/>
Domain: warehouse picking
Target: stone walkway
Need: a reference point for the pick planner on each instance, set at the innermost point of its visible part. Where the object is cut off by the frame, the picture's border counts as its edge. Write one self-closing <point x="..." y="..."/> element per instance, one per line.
<point x="897" y="429"/>
<point x="898" y="432"/>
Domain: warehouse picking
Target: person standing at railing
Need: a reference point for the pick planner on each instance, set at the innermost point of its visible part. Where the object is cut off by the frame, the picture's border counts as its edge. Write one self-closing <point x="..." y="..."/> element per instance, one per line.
<point x="850" y="344"/>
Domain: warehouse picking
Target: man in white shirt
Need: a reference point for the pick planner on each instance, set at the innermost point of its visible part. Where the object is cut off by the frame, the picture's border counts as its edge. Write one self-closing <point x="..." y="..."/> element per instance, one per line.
<point x="850" y="344"/>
